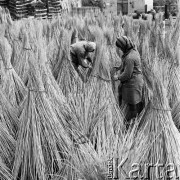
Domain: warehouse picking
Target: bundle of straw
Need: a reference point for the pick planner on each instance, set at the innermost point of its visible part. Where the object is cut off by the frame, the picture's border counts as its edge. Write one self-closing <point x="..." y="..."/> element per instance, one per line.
<point x="13" y="85"/>
<point x="69" y="79"/>
<point x="160" y="142"/>
<point x="9" y="115"/>
<point x="5" y="172"/>
<point x="7" y="146"/>
<point x="42" y="141"/>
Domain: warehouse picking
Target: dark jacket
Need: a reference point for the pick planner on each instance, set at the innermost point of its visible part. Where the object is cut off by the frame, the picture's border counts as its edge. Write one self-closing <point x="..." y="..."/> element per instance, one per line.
<point x="131" y="68"/>
<point x="79" y="55"/>
<point x="131" y="77"/>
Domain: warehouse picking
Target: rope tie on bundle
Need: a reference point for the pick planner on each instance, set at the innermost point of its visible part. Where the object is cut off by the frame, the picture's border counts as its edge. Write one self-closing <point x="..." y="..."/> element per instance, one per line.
<point x="83" y="140"/>
<point x="99" y="77"/>
<point x="8" y="68"/>
<point x="27" y="49"/>
<point x="17" y="39"/>
<point x="159" y="109"/>
<point x="37" y="90"/>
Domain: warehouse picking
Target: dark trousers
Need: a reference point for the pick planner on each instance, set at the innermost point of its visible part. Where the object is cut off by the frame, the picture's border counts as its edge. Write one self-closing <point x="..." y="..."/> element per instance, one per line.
<point x="133" y="111"/>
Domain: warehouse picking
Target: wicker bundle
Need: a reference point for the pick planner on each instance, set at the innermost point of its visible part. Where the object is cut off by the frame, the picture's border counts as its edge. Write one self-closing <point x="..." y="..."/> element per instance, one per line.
<point x="41" y="131"/>
<point x="13" y="85"/>
<point x="9" y="115"/>
<point x="56" y="53"/>
<point x="160" y="142"/>
<point x="69" y="79"/>
<point x="7" y="146"/>
<point x="5" y="172"/>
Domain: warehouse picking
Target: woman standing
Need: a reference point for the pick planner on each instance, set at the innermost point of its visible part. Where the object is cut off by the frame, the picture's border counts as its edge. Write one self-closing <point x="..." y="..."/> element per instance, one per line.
<point x="130" y="77"/>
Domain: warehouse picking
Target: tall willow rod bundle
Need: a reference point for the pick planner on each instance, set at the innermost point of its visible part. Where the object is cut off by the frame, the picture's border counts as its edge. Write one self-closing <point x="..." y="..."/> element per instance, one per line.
<point x="90" y="20"/>
<point x="94" y="118"/>
<point x="156" y="138"/>
<point x="136" y="33"/>
<point x="169" y="52"/>
<point x="69" y="123"/>
<point x="176" y="114"/>
<point x="82" y="27"/>
<point x="47" y="31"/>
<point x="175" y="33"/>
<point x="7" y="146"/>
<point x="89" y="113"/>
<point x="114" y="64"/>
<point x="42" y="141"/>
<point x="28" y="35"/>
<point x="111" y="126"/>
<point x="55" y="47"/>
<point x="21" y="66"/>
<point x="173" y="95"/>
<point x="169" y="74"/>
<point x="5" y="48"/>
<point x="5" y="16"/>
<point x="118" y="26"/>
<point x="69" y="21"/>
<point x="5" y="172"/>
<point x="87" y="164"/>
<point x="128" y="30"/>
<point x="144" y="38"/>
<point x="69" y="79"/>
<point x="54" y="93"/>
<point x="2" y="74"/>
<point x="13" y="34"/>
<point x="9" y="115"/>
<point x="57" y="55"/>
<point x="101" y="82"/>
<point x="84" y="32"/>
<point x="161" y="40"/>
<point x="177" y="53"/>
<point x="13" y="85"/>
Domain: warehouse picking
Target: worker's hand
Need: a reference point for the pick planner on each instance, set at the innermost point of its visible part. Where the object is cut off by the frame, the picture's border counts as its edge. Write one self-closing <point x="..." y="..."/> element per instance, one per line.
<point x="115" y="78"/>
<point x="90" y="66"/>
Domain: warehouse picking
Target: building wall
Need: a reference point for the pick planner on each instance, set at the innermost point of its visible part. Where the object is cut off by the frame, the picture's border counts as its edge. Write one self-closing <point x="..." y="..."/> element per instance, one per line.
<point x="111" y="6"/>
<point x="79" y="3"/>
<point x="122" y="7"/>
<point x="76" y="3"/>
<point x="129" y="6"/>
<point x="149" y="4"/>
<point x="138" y="5"/>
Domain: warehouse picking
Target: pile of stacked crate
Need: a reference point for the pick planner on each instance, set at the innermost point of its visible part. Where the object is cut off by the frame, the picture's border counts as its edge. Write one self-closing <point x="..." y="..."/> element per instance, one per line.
<point x="41" y="10"/>
<point x="48" y="8"/>
<point x="18" y="8"/>
<point x="3" y="3"/>
<point x="23" y="8"/>
<point x="54" y="8"/>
